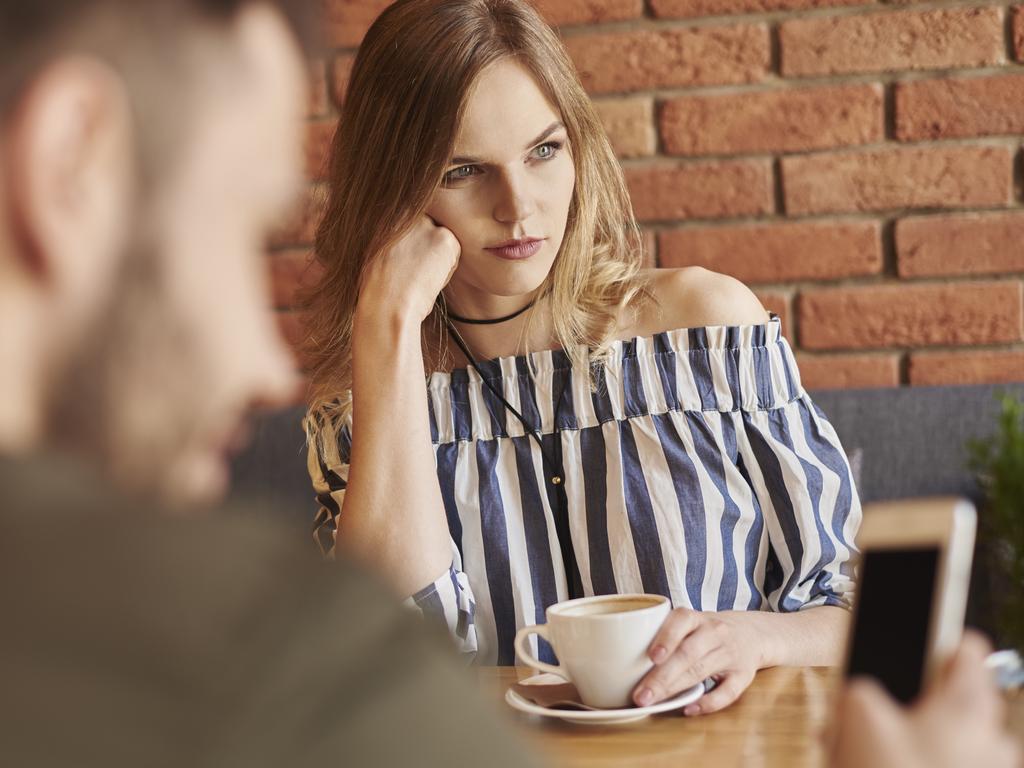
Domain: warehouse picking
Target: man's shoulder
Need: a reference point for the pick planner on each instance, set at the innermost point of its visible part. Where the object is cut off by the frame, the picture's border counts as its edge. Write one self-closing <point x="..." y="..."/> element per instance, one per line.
<point x="148" y="577"/>
<point x="169" y="631"/>
<point x="148" y="639"/>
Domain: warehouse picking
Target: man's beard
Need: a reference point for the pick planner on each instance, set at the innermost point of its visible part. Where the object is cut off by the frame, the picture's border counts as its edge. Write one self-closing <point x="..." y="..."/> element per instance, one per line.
<point x="122" y="401"/>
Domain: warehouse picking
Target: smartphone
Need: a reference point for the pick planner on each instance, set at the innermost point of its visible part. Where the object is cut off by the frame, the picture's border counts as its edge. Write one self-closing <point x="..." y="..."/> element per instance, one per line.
<point x="913" y="574"/>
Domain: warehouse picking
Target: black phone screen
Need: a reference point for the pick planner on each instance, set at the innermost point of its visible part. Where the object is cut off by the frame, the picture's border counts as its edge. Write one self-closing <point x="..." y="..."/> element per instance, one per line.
<point x="890" y="635"/>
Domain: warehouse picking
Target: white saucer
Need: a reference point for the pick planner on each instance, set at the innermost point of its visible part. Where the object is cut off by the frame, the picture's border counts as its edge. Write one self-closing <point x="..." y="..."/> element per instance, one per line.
<point x="599" y="716"/>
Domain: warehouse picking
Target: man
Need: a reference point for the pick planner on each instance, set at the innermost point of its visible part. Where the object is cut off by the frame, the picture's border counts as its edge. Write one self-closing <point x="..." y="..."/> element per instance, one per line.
<point x="146" y="149"/>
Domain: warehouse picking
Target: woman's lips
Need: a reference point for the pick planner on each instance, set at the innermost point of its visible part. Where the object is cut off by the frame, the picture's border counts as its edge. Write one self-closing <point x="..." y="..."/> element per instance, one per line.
<point x="516" y="250"/>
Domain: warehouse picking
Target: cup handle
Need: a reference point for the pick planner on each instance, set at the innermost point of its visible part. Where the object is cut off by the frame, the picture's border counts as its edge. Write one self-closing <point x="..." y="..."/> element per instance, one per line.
<point x="523" y="650"/>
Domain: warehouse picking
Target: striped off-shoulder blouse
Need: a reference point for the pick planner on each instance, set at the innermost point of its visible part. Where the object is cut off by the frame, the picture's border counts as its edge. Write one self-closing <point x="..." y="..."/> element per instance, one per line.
<point x="695" y="466"/>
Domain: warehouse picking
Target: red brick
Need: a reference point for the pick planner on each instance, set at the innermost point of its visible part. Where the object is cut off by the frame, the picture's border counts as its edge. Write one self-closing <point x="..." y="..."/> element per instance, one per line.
<point x="301" y="229"/>
<point x="988" y="367"/>
<point x="890" y="41"/>
<point x="917" y="177"/>
<point x="346" y="21"/>
<point x="341" y="71"/>
<point x="317" y="87"/>
<point x="849" y="371"/>
<point x="318" y="147"/>
<point x="292" y="272"/>
<point x="777" y="303"/>
<point x="629" y="124"/>
<point x="973" y="243"/>
<point x="684" y="9"/>
<point x="774" y="121"/>
<point x="1018" y="33"/>
<point x="774" y="253"/>
<point x="569" y="12"/>
<point x="711" y="190"/>
<point x="911" y="315"/>
<point x="944" y="109"/>
<point x="629" y="61"/>
<point x="292" y="326"/>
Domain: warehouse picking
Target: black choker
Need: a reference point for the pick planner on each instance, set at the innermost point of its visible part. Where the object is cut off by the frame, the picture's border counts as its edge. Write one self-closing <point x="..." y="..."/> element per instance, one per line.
<point x="497" y="320"/>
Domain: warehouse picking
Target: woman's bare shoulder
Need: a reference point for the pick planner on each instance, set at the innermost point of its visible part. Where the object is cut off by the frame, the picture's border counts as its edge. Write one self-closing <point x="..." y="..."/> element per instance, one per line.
<point x="692" y="297"/>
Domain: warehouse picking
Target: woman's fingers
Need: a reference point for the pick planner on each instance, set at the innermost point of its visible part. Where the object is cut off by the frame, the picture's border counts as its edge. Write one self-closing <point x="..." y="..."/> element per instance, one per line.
<point x="729" y="688"/>
<point x="699" y="656"/>
<point x="680" y="623"/>
<point x="690" y="647"/>
<point x="413" y="270"/>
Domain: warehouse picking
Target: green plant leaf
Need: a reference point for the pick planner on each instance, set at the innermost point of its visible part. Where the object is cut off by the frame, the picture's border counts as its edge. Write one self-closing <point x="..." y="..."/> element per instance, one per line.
<point x="998" y="463"/>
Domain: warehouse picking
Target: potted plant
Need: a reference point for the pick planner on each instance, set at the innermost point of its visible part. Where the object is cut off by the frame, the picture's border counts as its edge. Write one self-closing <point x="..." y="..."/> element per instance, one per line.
<point x="998" y="463"/>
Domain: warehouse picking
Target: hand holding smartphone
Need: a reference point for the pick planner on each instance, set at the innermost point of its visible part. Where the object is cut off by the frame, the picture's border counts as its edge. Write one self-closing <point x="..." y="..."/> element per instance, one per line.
<point x="913" y="577"/>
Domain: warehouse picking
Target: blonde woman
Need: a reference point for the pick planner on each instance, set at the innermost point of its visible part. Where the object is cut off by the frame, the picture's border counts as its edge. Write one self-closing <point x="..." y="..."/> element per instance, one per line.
<point x="587" y="426"/>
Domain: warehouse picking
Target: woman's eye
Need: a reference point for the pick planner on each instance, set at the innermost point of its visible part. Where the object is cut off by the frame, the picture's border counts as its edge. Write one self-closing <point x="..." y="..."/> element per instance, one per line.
<point x="460" y="173"/>
<point x="548" y="150"/>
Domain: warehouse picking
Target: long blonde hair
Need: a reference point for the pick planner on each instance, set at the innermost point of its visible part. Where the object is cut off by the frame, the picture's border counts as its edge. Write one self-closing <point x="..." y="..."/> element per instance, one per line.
<point x="396" y="135"/>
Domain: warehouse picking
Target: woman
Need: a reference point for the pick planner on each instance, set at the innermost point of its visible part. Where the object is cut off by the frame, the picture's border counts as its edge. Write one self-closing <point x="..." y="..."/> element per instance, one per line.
<point x="587" y="426"/>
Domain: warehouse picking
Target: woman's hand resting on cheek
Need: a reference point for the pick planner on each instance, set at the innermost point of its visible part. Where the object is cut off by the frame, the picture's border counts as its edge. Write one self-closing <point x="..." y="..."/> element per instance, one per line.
<point x="692" y="646"/>
<point x="405" y="280"/>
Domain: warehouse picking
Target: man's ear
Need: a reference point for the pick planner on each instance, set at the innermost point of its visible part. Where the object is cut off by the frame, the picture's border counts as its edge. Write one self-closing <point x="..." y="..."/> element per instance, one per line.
<point x="70" y="163"/>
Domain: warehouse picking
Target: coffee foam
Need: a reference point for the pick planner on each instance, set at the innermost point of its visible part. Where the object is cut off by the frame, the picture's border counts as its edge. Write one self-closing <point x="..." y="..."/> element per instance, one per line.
<point x="610" y="606"/>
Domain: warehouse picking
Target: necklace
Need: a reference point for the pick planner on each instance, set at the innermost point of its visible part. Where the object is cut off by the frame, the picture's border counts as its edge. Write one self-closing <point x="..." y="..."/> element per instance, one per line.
<point x="554" y="464"/>
<point x="495" y="321"/>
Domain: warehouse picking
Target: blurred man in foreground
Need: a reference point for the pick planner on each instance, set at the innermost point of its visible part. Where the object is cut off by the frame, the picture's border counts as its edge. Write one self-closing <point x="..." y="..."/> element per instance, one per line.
<point x="146" y="149"/>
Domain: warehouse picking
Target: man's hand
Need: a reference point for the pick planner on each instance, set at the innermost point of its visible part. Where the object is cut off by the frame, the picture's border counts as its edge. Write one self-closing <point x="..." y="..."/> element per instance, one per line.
<point x="957" y="723"/>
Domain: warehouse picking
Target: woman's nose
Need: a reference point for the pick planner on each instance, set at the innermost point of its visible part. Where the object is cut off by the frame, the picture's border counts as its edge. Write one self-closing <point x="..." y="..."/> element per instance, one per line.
<point x="515" y="202"/>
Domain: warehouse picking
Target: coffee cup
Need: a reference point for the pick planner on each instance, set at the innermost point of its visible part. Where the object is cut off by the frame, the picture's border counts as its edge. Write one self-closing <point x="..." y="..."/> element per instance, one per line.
<point x="601" y="643"/>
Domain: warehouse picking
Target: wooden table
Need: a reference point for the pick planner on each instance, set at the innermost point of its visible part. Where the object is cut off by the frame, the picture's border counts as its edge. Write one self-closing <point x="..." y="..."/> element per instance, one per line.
<point x="778" y="722"/>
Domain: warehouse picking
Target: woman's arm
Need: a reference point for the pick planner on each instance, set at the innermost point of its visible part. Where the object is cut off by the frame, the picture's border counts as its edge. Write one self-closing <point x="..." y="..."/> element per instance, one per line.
<point x="814" y="637"/>
<point x="801" y="483"/>
<point x="394" y="517"/>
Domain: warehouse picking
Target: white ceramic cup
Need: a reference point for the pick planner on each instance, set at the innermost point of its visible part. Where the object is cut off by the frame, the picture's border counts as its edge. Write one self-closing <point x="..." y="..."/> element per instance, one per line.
<point x="601" y="643"/>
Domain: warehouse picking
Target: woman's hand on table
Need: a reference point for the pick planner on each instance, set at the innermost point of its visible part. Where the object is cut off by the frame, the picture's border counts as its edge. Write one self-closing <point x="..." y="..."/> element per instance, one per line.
<point x="692" y="646"/>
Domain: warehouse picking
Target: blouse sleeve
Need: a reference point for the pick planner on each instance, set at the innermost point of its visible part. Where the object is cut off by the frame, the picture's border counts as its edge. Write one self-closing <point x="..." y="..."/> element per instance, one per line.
<point x="802" y="481"/>
<point x="448" y="600"/>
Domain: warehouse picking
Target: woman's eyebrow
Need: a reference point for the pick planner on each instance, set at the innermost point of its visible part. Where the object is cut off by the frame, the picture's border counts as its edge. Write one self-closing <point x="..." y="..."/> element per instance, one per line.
<point x="543" y="135"/>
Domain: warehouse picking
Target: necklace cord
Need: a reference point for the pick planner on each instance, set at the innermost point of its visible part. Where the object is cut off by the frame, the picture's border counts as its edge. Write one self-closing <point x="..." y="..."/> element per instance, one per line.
<point x="562" y="529"/>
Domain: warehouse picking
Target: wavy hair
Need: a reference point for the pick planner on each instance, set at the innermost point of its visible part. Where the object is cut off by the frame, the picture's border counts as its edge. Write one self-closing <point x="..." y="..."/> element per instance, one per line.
<point x="402" y="112"/>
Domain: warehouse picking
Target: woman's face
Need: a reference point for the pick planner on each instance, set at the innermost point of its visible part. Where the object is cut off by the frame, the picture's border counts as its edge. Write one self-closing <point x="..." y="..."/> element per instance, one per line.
<point x="507" y="190"/>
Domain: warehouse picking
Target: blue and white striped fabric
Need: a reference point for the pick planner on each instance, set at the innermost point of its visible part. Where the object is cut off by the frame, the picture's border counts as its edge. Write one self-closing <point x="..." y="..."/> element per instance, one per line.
<point x="696" y="468"/>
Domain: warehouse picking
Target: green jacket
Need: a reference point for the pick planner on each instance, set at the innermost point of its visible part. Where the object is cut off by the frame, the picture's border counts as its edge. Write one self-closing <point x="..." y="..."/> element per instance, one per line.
<point x="130" y="637"/>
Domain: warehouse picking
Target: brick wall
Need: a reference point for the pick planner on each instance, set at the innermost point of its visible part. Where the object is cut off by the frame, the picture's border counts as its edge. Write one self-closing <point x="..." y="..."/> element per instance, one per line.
<point x="857" y="163"/>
